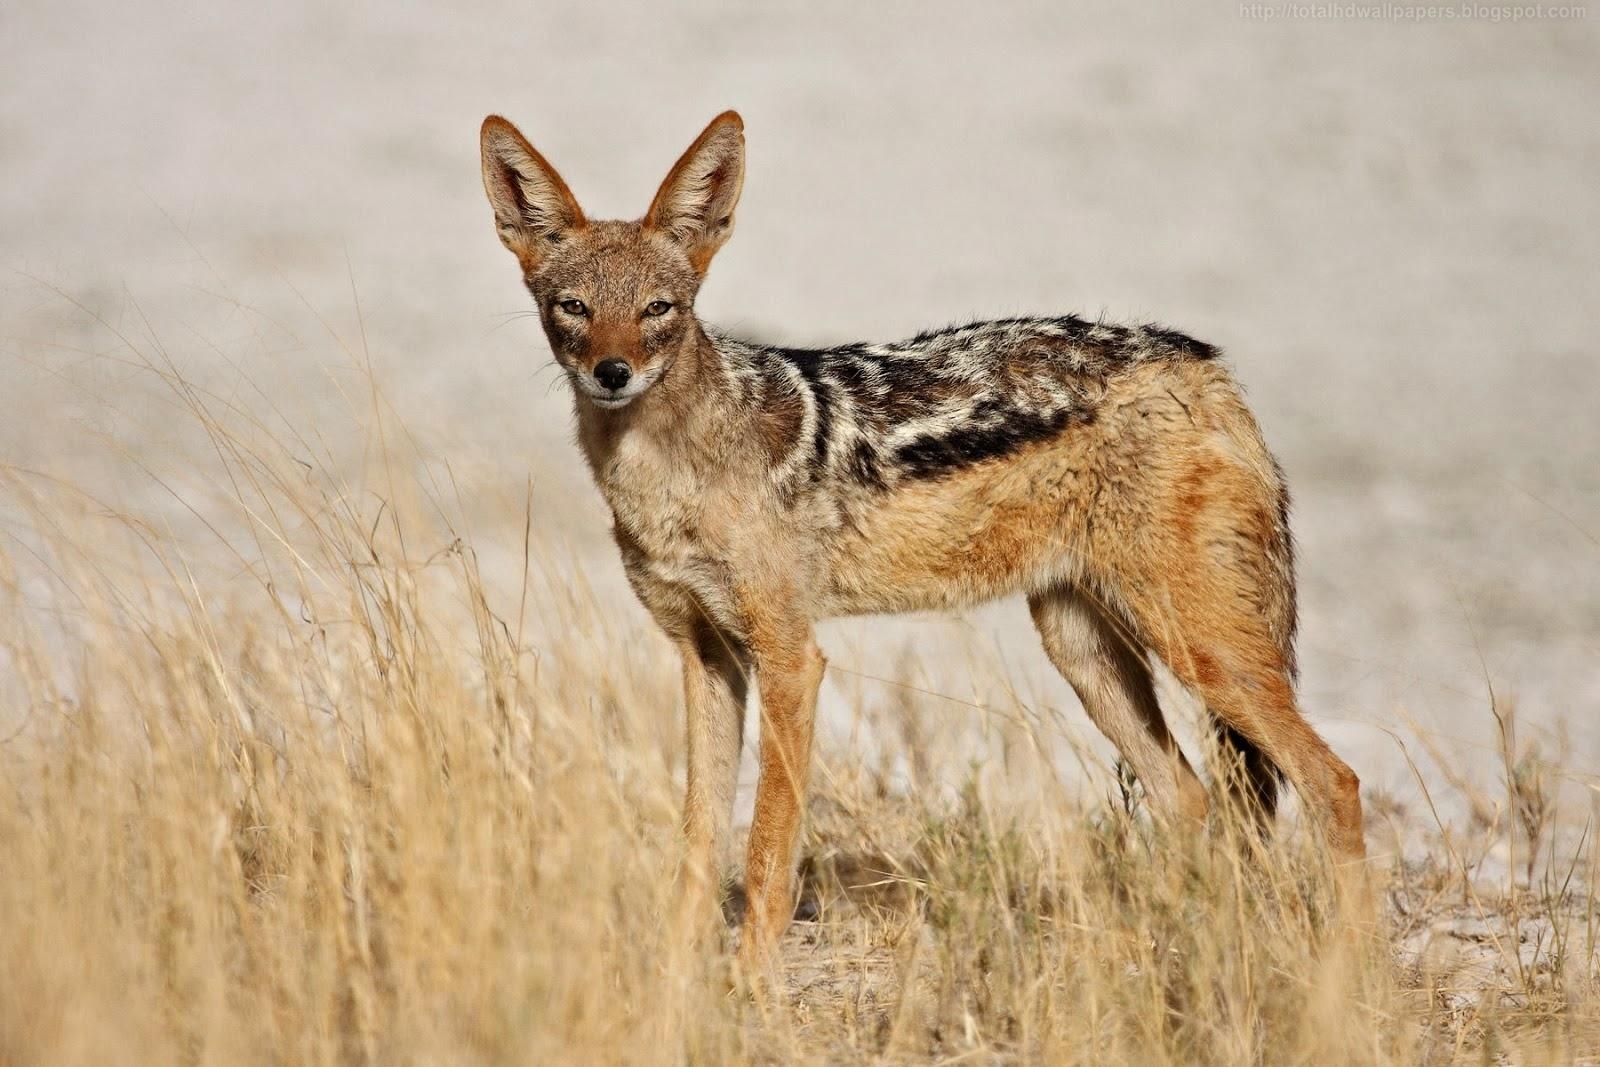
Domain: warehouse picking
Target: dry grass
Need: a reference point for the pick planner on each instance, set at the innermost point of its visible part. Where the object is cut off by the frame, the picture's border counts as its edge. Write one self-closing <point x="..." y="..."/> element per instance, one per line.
<point x="316" y="794"/>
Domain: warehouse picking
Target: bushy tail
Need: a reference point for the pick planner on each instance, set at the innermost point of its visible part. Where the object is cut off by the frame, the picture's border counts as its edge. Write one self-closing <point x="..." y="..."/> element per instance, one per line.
<point x="1249" y="776"/>
<point x="1251" y="780"/>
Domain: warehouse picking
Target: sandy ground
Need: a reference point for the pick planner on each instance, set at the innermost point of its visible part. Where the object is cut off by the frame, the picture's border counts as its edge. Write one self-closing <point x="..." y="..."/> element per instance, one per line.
<point x="1392" y="228"/>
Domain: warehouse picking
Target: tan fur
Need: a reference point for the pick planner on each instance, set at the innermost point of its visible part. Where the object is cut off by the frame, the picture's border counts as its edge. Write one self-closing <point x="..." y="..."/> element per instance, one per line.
<point x="1148" y="516"/>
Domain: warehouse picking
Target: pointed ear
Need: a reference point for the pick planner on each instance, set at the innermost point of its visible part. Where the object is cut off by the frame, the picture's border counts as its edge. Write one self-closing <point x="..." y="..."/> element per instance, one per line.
<point x="533" y="208"/>
<point x="694" y="206"/>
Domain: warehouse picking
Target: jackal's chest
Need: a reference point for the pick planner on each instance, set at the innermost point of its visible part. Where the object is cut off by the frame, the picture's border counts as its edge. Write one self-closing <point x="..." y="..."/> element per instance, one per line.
<point x="665" y="525"/>
<point x="661" y="509"/>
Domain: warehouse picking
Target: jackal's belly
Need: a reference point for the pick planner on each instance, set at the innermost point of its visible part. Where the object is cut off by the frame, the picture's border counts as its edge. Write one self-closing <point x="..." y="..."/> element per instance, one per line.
<point x="990" y="530"/>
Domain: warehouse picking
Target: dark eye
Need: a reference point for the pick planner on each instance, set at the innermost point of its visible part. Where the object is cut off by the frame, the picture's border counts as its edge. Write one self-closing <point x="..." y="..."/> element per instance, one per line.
<point x="574" y="307"/>
<point x="657" y="307"/>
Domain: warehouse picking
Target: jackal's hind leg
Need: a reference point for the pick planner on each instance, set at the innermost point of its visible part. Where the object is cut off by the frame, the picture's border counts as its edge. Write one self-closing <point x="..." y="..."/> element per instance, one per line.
<point x="1105" y="664"/>
<point x="1204" y="621"/>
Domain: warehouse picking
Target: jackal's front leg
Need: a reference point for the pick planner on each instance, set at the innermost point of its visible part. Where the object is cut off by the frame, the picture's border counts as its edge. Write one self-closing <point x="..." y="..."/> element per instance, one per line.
<point x="789" y="667"/>
<point x="716" y="669"/>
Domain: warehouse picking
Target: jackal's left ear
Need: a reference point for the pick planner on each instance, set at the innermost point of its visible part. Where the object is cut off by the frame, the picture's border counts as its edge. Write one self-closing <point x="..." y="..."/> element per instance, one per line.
<point x="533" y="208"/>
<point x="694" y="206"/>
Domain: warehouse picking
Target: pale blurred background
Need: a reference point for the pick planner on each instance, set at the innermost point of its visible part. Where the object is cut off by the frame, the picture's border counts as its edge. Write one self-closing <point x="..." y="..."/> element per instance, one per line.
<point x="1393" y="228"/>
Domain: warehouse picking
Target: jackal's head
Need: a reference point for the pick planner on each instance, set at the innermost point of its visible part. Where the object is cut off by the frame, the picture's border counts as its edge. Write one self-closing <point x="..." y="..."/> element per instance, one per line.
<point x="617" y="298"/>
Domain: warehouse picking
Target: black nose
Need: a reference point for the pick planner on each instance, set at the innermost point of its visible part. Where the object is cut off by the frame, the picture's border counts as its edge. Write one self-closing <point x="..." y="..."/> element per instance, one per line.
<point x="613" y="373"/>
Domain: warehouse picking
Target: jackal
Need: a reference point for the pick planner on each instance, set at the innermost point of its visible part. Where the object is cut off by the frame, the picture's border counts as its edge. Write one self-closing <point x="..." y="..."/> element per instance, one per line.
<point x="1111" y="474"/>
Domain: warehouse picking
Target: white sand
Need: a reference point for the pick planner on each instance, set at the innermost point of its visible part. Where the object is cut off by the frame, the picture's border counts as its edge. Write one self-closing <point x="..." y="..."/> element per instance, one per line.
<point x="1394" y="230"/>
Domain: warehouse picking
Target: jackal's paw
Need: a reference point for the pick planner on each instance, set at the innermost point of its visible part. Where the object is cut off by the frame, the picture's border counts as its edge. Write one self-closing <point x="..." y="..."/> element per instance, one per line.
<point x="757" y="964"/>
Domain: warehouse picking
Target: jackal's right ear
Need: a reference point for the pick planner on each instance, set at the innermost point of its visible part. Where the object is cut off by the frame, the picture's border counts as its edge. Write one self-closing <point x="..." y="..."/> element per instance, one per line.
<point x="694" y="206"/>
<point x="533" y="208"/>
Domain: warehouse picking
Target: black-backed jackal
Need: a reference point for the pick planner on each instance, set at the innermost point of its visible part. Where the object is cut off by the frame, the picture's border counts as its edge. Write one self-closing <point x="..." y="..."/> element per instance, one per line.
<point x="1111" y="474"/>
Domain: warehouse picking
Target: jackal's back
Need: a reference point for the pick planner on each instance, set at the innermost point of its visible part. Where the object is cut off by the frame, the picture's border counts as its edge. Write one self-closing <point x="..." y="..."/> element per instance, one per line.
<point x="882" y="415"/>
<point x="1013" y="456"/>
